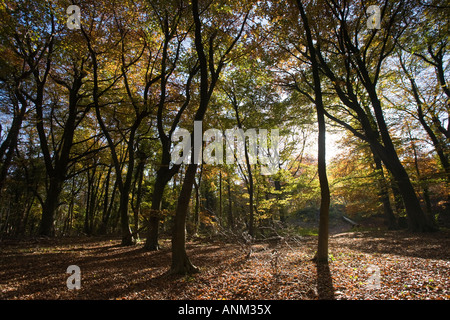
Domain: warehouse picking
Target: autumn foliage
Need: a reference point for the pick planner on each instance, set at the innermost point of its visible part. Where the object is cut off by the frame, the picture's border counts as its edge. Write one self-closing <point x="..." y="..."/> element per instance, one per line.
<point x="90" y="117"/>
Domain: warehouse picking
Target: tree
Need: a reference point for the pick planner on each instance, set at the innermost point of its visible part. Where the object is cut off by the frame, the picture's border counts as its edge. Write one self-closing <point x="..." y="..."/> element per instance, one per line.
<point x="426" y="110"/>
<point x="140" y="113"/>
<point x="249" y="177"/>
<point x="14" y="75"/>
<point x="322" y="248"/>
<point x="360" y="69"/>
<point x="36" y="46"/>
<point x="209" y="75"/>
<point x="170" y="25"/>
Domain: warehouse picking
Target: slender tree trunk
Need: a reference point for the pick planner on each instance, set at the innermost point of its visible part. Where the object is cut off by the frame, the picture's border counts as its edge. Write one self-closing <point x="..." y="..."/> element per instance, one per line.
<point x="180" y="261"/>
<point x="322" y="247"/>
<point x="127" y="235"/>
<point x="87" y="208"/>
<point x="251" y="217"/>
<point x="107" y="204"/>
<point x="68" y="222"/>
<point x="123" y="186"/>
<point x="197" y="201"/>
<point x="250" y="189"/>
<point x="90" y="203"/>
<point x="230" y="204"/>
<point x="281" y="208"/>
<point x="197" y="207"/>
<point x="220" y="194"/>
<point x="137" y="205"/>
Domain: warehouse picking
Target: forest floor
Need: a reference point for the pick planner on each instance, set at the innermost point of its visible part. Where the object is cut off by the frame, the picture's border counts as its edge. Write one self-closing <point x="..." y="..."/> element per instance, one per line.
<point x="363" y="265"/>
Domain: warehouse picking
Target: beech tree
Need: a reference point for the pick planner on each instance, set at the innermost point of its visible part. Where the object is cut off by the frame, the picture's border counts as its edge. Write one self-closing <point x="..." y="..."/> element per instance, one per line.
<point x="87" y="117"/>
<point x="211" y="63"/>
<point x="36" y="44"/>
<point x="361" y="68"/>
<point x="322" y="248"/>
<point x="419" y="57"/>
<point x="170" y="25"/>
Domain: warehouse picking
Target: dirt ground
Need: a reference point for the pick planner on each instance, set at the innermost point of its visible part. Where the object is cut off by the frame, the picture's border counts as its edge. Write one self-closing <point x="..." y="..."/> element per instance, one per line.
<point x="363" y="265"/>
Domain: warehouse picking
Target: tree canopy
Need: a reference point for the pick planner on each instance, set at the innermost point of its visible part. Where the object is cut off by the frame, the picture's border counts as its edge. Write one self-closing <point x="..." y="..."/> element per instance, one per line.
<point x="90" y="117"/>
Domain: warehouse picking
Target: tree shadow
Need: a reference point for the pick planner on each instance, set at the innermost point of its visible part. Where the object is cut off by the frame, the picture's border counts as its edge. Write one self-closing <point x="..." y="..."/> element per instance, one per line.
<point x="325" y="288"/>
<point x="403" y="243"/>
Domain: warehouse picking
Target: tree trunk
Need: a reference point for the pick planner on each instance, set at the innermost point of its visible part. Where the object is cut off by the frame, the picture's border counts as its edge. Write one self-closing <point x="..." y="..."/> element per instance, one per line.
<point x="384" y="194"/>
<point x="69" y="218"/>
<point x="417" y="220"/>
<point x="220" y="194"/>
<point x="127" y="237"/>
<point x="138" y="180"/>
<point x="50" y="205"/>
<point x="196" y="208"/>
<point x="197" y="201"/>
<point x="91" y="201"/>
<point x="374" y="130"/>
<point x="86" y="216"/>
<point x="281" y="208"/>
<point x="180" y="261"/>
<point x="230" y="204"/>
<point x="322" y="247"/>
<point x="152" y="234"/>
<point x="251" y="218"/>
<point x="107" y="204"/>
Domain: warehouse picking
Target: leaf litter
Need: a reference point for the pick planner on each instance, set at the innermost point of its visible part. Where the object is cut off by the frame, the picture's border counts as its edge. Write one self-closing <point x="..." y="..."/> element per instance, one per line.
<point x="362" y="265"/>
